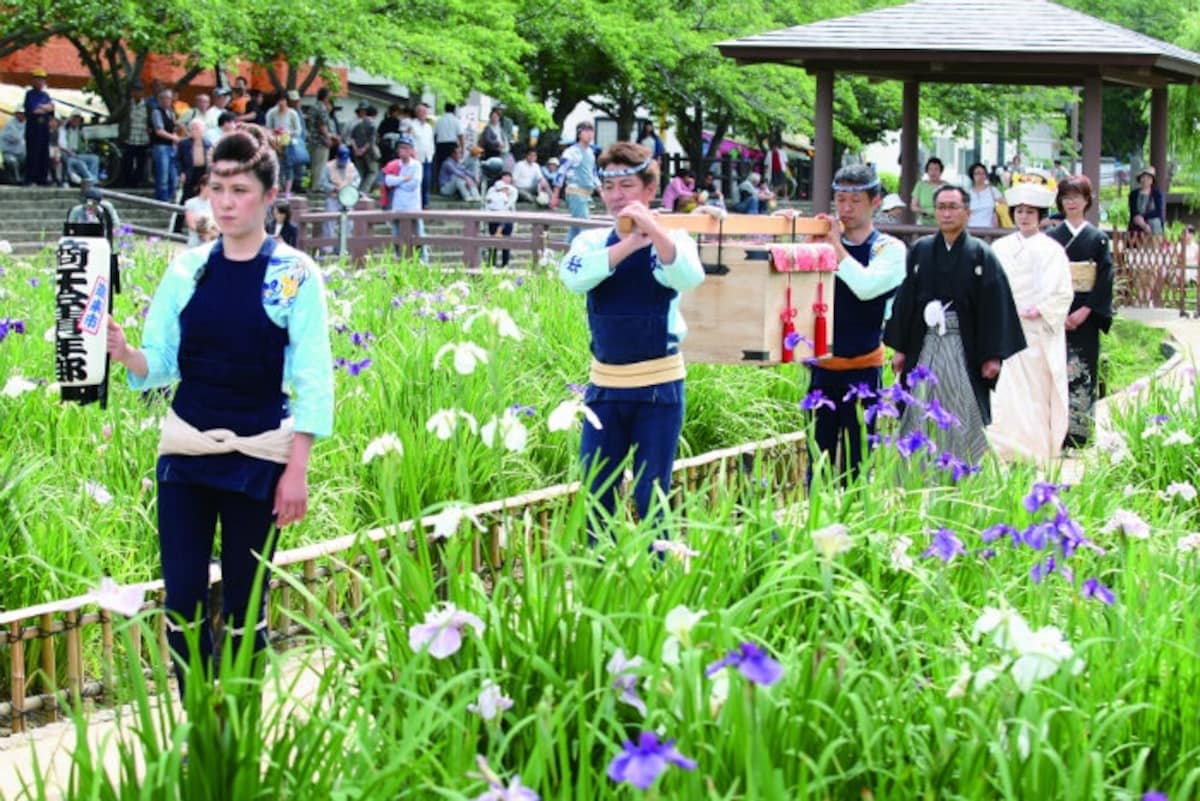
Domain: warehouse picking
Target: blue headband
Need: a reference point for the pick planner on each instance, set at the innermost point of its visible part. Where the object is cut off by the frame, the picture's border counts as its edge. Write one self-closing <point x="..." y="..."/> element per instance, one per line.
<point x="621" y="172"/>
<point x="856" y="187"/>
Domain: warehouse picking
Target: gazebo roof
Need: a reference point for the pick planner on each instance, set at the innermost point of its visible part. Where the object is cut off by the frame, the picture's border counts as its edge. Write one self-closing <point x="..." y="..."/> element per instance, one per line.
<point x="974" y="41"/>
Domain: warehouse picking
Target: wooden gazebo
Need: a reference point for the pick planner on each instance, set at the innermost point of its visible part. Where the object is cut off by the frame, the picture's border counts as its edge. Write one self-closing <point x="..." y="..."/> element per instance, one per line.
<point x="974" y="41"/>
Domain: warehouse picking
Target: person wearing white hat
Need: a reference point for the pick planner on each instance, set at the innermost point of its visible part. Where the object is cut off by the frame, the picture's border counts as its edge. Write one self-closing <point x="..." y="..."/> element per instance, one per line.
<point x="1146" y="204"/>
<point x="1030" y="407"/>
<point x="891" y="209"/>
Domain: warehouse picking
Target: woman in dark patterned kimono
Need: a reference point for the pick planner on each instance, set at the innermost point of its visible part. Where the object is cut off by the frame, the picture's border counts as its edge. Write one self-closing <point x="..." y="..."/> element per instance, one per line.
<point x="1091" y="311"/>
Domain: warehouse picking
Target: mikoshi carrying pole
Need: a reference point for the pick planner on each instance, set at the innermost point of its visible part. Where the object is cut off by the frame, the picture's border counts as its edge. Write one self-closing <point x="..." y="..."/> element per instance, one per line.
<point x="85" y="282"/>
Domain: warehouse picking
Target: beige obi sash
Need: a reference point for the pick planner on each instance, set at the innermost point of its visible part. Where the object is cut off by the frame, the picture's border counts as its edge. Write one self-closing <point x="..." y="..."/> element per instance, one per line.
<point x="181" y="438"/>
<point x="1083" y="275"/>
<point x="639" y="374"/>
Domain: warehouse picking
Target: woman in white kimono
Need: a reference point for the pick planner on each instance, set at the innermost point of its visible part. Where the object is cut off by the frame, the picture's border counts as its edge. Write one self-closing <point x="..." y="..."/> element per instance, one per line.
<point x="1029" y="406"/>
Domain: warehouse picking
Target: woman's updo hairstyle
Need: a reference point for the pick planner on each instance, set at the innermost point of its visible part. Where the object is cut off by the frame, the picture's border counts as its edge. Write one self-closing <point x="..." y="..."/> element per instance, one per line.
<point x="249" y="146"/>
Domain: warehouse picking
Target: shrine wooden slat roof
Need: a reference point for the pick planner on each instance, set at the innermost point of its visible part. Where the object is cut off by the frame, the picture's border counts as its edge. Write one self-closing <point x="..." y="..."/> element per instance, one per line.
<point x="974" y="41"/>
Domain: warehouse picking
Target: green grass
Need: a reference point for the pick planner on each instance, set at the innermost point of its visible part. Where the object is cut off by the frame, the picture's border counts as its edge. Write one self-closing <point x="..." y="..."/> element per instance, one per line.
<point x="1131" y="350"/>
<point x="870" y="647"/>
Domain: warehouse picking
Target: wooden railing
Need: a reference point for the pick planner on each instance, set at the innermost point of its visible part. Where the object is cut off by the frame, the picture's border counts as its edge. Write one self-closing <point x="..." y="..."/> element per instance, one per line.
<point x="82" y="633"/>
<point x="1149" y="272"/>
<point x="371" y="230"/>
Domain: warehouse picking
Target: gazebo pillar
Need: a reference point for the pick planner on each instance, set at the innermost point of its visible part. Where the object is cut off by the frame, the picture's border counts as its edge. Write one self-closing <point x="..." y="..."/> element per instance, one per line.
<point x="1158" y="136"/>
<point x="1093" y="106"/>
<point x="822" y="188"/>
<point x="910" y="121"/>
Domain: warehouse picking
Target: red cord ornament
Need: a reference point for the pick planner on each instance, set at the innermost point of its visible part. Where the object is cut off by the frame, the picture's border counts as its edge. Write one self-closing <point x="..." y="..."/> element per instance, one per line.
<point x="820" y="325"/>
<point x="788" y="315"/>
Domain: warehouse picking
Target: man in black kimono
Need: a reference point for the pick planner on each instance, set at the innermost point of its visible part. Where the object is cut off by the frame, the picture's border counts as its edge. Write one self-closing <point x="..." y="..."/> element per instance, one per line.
<point x="1091" y="310"/>
<point x="953" y="317"/>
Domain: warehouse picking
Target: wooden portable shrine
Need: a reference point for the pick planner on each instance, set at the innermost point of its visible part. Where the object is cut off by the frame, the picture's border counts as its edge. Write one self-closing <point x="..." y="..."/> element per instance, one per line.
<point x="756" y="292"/>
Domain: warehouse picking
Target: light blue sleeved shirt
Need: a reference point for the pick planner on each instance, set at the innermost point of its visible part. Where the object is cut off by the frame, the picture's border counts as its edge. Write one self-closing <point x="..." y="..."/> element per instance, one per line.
<point x="586" y="265"/>
<point x="888" y="264"/>
<point x="293" y="298"/>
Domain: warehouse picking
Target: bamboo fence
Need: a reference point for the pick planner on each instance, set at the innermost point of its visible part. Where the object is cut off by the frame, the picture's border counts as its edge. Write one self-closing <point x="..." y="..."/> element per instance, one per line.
<point x="76" y="630"/>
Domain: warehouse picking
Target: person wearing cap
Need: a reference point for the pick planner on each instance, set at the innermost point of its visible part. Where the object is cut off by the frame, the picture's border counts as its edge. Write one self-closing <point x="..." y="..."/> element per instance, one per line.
<point x="402" y="179"/>
<point x="39" y="108"/>
<point x="550" y="170"/>
<point x="12" y="147"/>
<point x="576" y="176"/>
<point x="1146" y="206"/>
<point x="336" y="173"/>
<point x="93" y="209"/>
<point x="891" y="210"/>
<point x="220" y="100"/>
<point x="1090" y="255"/>
<point x="363" y="147"/>
<point x="870" y="268"/>
<point x="1030" y="409"/>
<point x="633" y="281"/>
<point x="135" y="137"/>
<point x="284" y="122"/>
<point x="954" y="317"/>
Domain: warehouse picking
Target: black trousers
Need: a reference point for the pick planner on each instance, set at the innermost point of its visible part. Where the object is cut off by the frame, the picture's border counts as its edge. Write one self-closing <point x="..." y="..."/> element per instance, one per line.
<point x="187" y="524"/>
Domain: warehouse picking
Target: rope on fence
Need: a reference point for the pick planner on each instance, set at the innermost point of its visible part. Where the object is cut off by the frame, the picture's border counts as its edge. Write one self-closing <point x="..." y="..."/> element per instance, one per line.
<point x="67" y="619"/>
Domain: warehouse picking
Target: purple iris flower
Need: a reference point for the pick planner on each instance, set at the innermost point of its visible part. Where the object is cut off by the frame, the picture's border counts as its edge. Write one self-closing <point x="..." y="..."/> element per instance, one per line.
<point x="815" y="400"/>
<point x="993" y="533"/>
<point x="339" y="363"/>
<point x="987" y="553"/>
<point x="1036" y="535"/>
<point x="881" y="408"/>
<point x="752" y="662"/>
<point x="945" y="546"/>
<point x="913" y="441"/>
<point x="875" y="440"/>
<point x="1092" y="588"/>
<point x="793" y="339"/>
<point x="897" y="395"/>
<point x="1042" y="494"/>
<point x="362" y="339"/>
<point x="1040" y="570"/>
<point x="443" y="317"/>
<point x="1159" y="419"/>
<point x="397" y="302"/>
<point x="523" y="409"/>
<point x="1154" y="795"/>
<point x="944" y="418"/>
<point x="10" y="326"/>
<point x="354" y="368"/>
<point x="861" y="391"/>
<point x="35" y="283"/>
<point x="643" y="763"/>
<point x="1070" y="533"/>
<point x="919" y="374"/>
<point x="125" y="229"/>
<point x="577" y="389"/>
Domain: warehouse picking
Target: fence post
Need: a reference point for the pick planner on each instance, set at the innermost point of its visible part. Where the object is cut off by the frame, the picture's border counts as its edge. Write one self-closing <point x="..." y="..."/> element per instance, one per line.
<point x="471" y="249"/>
<point x="17" y="675"/>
